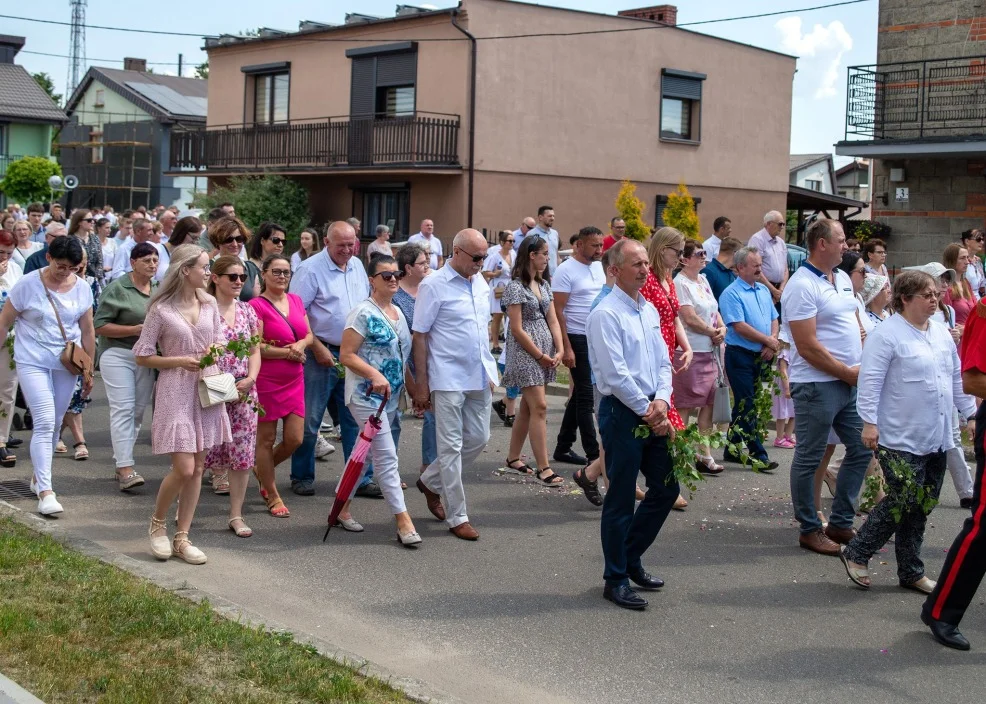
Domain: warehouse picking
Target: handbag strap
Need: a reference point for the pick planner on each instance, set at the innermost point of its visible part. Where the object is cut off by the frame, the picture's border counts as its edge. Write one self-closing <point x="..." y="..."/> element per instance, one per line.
<point x="721" y="380"/>
<point x="54" y="308"/>
<point x="283" y="317"/>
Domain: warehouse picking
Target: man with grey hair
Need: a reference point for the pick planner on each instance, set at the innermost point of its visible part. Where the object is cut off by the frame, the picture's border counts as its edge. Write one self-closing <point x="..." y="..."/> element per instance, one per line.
<point x="142" y="231"/>
<point x="773" y="252"/>
<point x="38" y="260"/>
<point x="751" y="343"/>
<point x="455" y="374"/>
<point x="520" y="233"/>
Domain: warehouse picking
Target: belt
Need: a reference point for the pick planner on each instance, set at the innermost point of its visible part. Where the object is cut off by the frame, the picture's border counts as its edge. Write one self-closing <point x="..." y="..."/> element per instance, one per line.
<point x="328" y="344"/>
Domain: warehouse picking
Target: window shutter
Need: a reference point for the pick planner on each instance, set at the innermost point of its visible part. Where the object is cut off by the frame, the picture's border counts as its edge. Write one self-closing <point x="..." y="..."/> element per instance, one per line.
<point x="362" y="93"/>
<point x="684" y="88"/>
<point x="397" y="69"/>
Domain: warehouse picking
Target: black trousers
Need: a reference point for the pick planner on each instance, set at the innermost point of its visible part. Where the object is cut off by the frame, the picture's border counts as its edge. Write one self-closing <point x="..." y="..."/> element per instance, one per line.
<point x="578" y="413"/>
<point x="965" y="565"/>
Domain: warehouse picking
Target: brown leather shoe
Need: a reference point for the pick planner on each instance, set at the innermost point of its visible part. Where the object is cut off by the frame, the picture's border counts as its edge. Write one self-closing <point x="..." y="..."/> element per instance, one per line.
<point x="465" y="531"/>
<point x="433" y="500"/>
<point x="817" y="541"/>
<point x="840" y="535"/>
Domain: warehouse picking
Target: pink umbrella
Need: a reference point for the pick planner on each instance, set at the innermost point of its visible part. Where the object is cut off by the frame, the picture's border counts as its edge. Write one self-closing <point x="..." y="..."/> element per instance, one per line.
<point x="354" y="467"/>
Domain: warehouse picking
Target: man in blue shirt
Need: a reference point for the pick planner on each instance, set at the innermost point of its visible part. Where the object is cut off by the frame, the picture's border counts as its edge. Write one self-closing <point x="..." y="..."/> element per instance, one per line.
<point x="38" y="260"/>
<point x="719" y="271"/>
<point x="747" y="308"/>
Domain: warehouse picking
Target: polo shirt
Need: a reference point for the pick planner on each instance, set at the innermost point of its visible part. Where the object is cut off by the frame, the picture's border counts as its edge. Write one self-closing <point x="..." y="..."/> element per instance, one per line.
<point x="120" y="303"/>
<point x="743" y="303"/>
<point x="582" y="283"/>
<point x="809" y="294"/>
<point x="719" y="277"/>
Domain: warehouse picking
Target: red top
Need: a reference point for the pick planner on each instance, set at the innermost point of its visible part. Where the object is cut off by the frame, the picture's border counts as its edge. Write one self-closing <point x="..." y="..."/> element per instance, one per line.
<point x="973" y="347"/>
<point x="963" y="307"/>
<point x="608" y="241"/>
<point x="667" y="306"/>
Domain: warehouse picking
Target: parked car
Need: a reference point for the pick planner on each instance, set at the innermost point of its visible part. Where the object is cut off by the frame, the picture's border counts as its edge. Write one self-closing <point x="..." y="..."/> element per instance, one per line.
<point x="796" y="256"/>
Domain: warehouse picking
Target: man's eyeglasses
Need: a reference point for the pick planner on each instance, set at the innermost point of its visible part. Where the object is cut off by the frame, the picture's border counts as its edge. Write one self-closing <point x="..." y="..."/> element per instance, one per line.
<point x="277" y="240"/>
<point x="476" y="258"/>
<point x="280" y="273"/>
<point x="389" y="276"/>
<point x="241" y="239"/>
<point x="236" y="277"/>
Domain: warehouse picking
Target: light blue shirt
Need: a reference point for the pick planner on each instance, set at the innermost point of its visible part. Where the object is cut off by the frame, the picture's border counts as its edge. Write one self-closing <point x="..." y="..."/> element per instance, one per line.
<point x="329" y="293"/>
<point x="39" y="236"/>
<point x="552" y="238"/>
<point x="743" y="303"/>
<point x="627" y="353"/>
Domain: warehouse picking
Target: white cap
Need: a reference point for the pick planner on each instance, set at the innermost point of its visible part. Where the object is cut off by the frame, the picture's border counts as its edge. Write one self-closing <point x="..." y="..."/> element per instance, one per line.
<point x="872" y="285"/>
<point x="935" y="269"/>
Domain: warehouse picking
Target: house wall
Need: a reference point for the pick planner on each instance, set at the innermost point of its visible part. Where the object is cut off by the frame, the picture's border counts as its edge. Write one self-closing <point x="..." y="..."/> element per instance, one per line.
<point x="28" y="140"/>
<point x="816" y="172"/>
<point x="115" y="108"/>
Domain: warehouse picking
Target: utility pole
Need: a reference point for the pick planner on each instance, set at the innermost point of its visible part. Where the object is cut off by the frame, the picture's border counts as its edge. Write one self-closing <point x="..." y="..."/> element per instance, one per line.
<point x="77" y="48"/>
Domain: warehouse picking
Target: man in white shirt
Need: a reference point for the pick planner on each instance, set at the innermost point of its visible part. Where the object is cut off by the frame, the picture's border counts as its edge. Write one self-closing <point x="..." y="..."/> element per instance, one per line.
<point x="543" y="229"/>
<point x="574" y="287"/>
<point x="520" y="233"/>
<point x="168" y="220"/>
<point x="143" y="231"/>
<point x="773" y="251"/>
<point x="429" y="240"/>
<point x="820" y="309"/>
<point x="721" y="229"/>
<point x="455" y="374"/>
<point x="973" y="240"/>
<point x="633" y="373"/>
<point x="329" y="284"/>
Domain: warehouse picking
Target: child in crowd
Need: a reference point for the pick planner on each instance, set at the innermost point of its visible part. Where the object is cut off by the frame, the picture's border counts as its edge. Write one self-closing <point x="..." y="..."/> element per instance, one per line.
<point x="505" y="406"/>
<point x="783" y="405"/>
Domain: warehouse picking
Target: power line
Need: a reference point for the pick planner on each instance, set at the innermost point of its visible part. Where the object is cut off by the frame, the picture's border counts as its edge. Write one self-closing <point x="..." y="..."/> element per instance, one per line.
<point x="696" y="23"/>
<point x="108" y="61"/>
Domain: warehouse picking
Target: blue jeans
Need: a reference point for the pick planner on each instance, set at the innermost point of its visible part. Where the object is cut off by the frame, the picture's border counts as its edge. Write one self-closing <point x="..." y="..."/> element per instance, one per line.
<point x="745" y="371"/>
<point x="429" y="443"/>
<point x="321" y="384"/>
<point x="818" y="406"/>
<point x="626" y="534"/>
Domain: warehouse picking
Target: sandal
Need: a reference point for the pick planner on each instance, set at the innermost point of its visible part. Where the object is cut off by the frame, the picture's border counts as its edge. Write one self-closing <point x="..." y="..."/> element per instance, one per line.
<point x="131" y="480"/>
<point x="550" y="479"/>
<point x="220" y="483"/>
<point x="160" y="544"/>
<point x="276" y="507"/>
<point x="589" y="488"/>
<point x="81" y="451"/>
<point x="263" y="492"/>
<point x="524" y="468"/>
<point x="60" y="448"/>
<point x="182" y="547"/>
<point x="680" y="504"/>
<point x="243" y="532"/>
<point x="923" y="585"/>
<point x="7" y="458"/>
<point x="855" y="574"/>
<point x="707" y="465"/>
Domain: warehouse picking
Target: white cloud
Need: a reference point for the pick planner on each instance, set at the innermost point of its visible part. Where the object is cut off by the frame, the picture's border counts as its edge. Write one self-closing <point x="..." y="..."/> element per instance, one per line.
<point x="826" y="44"/>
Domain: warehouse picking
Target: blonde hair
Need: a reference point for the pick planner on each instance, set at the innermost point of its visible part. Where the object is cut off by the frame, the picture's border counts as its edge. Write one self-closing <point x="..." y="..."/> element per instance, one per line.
<point x="182" y="259"/>
<point x="960" y="287"/>
<point x="665" y="237"/>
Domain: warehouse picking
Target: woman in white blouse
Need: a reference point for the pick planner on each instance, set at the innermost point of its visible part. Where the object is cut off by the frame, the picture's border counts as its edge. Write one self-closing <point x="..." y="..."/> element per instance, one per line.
<point x="695" y="388"/>
<point x="496" y="270"/>
<point x="24" y="247"/>
<point x="10" y="274"/>
<point x="909" y="378"/>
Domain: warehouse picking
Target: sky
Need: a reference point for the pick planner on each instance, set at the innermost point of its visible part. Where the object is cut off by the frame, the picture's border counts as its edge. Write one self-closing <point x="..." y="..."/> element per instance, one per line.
<point x="826" y="41"/>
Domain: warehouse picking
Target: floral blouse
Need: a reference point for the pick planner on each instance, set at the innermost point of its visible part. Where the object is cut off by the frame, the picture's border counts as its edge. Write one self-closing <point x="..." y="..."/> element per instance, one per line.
<point x="386" y="347"/>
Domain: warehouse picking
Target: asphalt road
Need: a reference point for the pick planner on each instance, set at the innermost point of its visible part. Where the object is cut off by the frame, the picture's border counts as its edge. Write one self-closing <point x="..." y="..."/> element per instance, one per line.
<point x="518" y="616"/>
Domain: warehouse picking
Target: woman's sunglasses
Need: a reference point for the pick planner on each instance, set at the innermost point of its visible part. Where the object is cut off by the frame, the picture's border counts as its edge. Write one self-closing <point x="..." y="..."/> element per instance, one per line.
<point x="236" y="277"/>
<point x="277" y="240"/>
<point x="240" y="240"/>
<point x="389" y="276"/>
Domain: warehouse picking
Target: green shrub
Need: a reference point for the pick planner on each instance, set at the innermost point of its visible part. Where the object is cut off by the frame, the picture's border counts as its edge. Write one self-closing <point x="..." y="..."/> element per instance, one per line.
<point x="27" y="179"/>
<point x="679" y="213"/>
<point x="261" y="198"/>
<point x="631" y="209"/>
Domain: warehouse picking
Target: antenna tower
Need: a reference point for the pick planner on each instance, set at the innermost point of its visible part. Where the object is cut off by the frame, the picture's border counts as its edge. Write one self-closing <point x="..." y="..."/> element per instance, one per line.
<point x="77" y="52"/>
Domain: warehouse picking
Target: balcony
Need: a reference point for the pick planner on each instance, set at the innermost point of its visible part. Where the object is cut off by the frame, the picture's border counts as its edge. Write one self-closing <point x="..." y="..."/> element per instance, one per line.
<point x="418" y="140"/>
<point x="905" y="109"/>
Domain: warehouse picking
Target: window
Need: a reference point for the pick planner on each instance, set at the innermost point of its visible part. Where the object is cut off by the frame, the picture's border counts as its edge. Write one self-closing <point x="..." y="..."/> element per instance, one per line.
<point x="270" y="101"/>
<point x="395" y="101"/>
<point x="96" y="138"/>
<point x="383" y="81"/>
<point x="386" y="204"/>
<point x="681" y="105"/>
<point x="100" y="98"/>
<point x="813" y="184"/>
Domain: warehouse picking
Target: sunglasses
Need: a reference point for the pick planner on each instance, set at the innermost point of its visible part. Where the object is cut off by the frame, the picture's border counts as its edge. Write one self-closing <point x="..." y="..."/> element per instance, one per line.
<point x="87" y="220"/>
<point x="476" y="258"/>
<point x="677" y="252"/>
<point x="286" y="273"/>
<point x="277" y="240"/>
<point x="510" y="241"/>
<point x="236" y="277"/>
<point x="240" y="240"/>
<point x="389" y="276"/>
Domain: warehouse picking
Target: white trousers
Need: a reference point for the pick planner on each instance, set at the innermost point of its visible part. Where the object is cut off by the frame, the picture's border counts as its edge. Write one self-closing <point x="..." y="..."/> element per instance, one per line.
<point x="955" y="460"/>
<point x="128" y="391"/>
<point x="47" y="393"/>
<point x="384" y="454"/>
<point x="462" y="428"/>
<point x="8" y="392"/>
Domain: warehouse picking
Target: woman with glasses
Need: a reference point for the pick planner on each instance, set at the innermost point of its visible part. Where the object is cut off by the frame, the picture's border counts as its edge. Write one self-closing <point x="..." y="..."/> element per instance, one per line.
<point x="119" y="322"/>
<point x="81" y="226"/>
<point x="24" y="247"/>
<point x="381" y="245"/>
<point x="267" y="240"/>
<point x="10" y="274"/>
<point x="186" y="231"/>
<point x="664" y="251"/>
<point x="182" y="323"/>
<point x="231" y="462"/>
<point x="376" y="345"/>
<point x="228" y="235"/>
<point x="496" y="271"/>
<point x="695" y="387"/>
<point x="973" y="241"/>
<point x="960" y="294"/>
<point x="309" y="245"/>
<point x="283" y="327"/>
<point x="875" y="256"/>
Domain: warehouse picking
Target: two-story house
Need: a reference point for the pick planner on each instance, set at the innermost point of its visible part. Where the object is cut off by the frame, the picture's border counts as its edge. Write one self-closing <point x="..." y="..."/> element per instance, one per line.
<point x="815" y="172"/>
<point x="478" y="114"/>
<point x="919" y="114"/>
<point x="28" y="116"/>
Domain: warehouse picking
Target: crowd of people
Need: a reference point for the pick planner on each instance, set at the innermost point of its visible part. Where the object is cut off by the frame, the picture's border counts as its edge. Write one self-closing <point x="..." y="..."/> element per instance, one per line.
<point x="230" y="336"/>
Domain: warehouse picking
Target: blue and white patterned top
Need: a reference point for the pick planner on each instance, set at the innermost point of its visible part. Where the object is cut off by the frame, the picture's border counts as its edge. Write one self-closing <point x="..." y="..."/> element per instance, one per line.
<point x="386" y="347"/>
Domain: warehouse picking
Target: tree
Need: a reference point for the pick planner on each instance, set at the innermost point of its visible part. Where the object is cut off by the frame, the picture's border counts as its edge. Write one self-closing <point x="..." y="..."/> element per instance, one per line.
<point x="631" y="209"/>
<point x="44" y="80"/>
<point x="263" y="198"/>
<point x="202" y="70"/>
<point x="679" y="212"/>
<point x="27" y="179"/>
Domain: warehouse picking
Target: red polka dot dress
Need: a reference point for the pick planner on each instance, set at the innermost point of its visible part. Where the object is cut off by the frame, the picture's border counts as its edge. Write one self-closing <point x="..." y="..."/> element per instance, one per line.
<point x="667" y="306"/>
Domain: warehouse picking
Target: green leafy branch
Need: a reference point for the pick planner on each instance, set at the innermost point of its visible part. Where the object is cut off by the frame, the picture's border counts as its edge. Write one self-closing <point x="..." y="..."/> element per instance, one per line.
<point x="907" y="492"/>
<point x="9" y="344"/>
<point x="240" y="347"/>
<point x="254" y="404"/>
<point x="683" y="449"/>
<point x="340" y="371"/>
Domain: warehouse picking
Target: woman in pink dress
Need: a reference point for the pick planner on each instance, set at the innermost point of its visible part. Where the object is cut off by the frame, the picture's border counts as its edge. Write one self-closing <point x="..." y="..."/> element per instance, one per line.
<point x="281" y="384"/>
<point x="231" y="462"/>
<point x="182" y="322"/>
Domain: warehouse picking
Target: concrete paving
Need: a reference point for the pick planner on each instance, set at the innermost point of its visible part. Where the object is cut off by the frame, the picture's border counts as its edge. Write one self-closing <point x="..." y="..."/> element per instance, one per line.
<point x="746" y="616"/>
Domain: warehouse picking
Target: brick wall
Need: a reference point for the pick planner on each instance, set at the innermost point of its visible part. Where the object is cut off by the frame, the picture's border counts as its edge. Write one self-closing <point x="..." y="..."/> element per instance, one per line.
<point x="915" y="30"/>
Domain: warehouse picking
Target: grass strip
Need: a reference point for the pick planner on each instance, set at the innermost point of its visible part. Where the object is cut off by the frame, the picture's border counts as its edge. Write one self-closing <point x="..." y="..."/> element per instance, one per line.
<point x="74" y="629"/>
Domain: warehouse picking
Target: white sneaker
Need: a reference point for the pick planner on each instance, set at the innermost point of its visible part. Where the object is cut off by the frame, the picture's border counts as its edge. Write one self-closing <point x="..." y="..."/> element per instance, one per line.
<point x="326" y="427"/>
<point x="49" y="506"/>
<point x="34" y="487"/>
<point x="323" y="448"/>
<point x="336" y="433"/>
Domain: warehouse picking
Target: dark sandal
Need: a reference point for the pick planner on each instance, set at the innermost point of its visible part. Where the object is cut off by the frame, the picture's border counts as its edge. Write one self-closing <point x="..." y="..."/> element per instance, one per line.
<point x="590" y="488"/>
<point x="81" y="455"/>
<point x="524" y="468"/>
<point x="550" y="479"/>
<point x="7" y="458"/>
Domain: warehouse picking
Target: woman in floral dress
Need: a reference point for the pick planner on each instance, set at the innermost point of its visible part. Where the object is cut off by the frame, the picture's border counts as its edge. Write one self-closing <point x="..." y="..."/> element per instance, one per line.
<point x="184" y="322"/>
<point x="232" y="462"/>
<point x="664" y="251"/>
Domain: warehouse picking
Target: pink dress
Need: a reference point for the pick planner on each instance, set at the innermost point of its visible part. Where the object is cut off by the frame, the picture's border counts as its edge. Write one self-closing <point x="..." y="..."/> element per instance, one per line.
<point x="239" y="454"/>
<point x="180" y="422"/>
<point x="281" y="384"/>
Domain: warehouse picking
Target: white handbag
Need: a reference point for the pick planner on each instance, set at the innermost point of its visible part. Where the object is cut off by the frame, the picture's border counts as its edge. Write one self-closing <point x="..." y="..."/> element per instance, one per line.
<point x="216" y="389"/>
<point x="722" y="411"/>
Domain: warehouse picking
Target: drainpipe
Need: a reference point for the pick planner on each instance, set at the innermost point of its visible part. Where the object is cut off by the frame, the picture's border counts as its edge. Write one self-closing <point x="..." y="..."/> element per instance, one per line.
<point x="472" y="115"/>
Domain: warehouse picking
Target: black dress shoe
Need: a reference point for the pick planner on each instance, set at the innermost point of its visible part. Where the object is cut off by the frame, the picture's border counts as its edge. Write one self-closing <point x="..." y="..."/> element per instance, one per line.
<point x="730" y="457"/>
<point x="945" y="633"/>
<point x="501" y="409"/>
<point x="16" y="421"/>
<point x="17" y="442"/>
<point x="768" y="466"/>
<point x="964" y="503"/>
<point x="643" y="579"/>
<point x="570" y="457"/>
<point x="624" y="597"/>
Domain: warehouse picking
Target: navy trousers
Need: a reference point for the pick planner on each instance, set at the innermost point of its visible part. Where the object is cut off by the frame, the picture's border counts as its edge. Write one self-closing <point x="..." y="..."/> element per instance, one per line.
<point x="745" y="371"/>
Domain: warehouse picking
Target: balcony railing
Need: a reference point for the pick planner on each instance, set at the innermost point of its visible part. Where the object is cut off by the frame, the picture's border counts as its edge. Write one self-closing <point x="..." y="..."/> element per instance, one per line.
<point x="940" y="98"/>
<point x="5" y="161"/>
<point x="418" y="139"/>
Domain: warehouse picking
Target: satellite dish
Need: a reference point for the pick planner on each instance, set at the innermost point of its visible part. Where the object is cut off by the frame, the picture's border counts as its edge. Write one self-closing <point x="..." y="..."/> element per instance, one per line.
<point x="71" y="181"/>
<point x="54" y="182"/>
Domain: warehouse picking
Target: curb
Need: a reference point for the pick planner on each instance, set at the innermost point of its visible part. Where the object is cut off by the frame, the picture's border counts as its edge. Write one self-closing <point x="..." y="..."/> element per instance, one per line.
<point x="413" y="689"/>
<point x="13" y="693"/>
